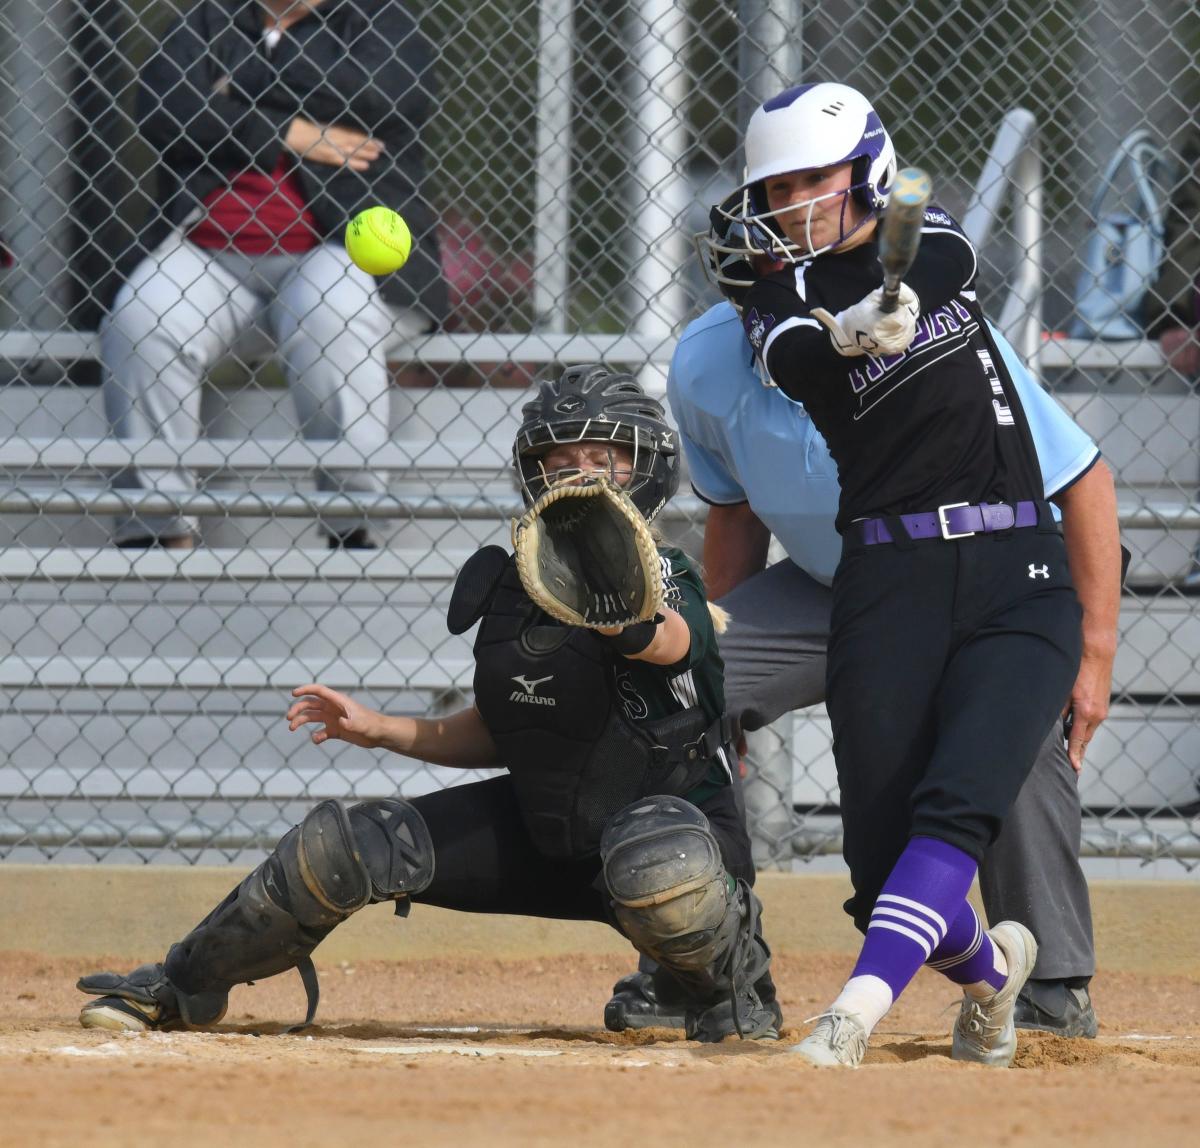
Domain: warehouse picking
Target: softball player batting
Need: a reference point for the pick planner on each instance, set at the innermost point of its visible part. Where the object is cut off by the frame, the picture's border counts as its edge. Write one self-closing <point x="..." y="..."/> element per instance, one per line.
<point x="740" y="439"/>
<point x="955" y="633"/>
<point x="617" y="805"/>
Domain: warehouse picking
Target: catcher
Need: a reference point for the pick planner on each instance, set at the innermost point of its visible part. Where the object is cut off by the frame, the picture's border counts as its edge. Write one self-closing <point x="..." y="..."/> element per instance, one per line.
<point x="598" y="686"/>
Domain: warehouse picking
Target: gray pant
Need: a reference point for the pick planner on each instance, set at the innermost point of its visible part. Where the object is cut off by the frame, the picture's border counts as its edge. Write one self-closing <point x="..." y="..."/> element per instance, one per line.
<point x="184" y="308"/>
<point x="774" y="653"/>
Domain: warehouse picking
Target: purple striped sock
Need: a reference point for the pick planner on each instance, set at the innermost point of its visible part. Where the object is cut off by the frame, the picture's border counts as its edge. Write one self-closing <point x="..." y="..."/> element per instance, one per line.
<point x="967" y="955"/>
<point x="923" y="894"/>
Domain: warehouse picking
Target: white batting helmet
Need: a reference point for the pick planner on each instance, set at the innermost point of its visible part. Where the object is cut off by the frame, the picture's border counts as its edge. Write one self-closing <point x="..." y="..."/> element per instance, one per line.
<point x="817" y="125"/>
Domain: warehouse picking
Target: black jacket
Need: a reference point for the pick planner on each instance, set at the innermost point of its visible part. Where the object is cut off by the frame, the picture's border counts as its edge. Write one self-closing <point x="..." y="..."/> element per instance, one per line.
<point x="213" y="103"/>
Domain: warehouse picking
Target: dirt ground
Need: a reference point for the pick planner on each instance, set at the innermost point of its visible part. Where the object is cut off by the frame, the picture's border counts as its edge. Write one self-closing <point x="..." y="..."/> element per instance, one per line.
<point x="471" y="1051"/>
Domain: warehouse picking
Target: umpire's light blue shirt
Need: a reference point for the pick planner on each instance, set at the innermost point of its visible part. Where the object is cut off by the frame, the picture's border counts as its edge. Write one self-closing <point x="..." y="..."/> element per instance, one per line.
<point x="746" y="442"/>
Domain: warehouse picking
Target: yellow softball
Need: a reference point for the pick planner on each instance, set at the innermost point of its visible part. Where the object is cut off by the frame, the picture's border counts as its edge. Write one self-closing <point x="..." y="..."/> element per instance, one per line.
<point x="378" y="240"/>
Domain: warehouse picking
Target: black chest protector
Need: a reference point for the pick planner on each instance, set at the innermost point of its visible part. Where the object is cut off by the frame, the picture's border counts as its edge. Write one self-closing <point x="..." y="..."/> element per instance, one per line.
<point x="547" y="694"/>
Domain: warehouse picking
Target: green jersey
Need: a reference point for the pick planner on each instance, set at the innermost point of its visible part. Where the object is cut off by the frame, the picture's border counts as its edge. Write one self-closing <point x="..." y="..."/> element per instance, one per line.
<point x="649" y="691"/>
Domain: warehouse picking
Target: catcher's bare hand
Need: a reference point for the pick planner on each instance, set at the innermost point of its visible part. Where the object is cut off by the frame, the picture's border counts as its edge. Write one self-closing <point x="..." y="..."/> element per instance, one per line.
<point x="340" y="716"/>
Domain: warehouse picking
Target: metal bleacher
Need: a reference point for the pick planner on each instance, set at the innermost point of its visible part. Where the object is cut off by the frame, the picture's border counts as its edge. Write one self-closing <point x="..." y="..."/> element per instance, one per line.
<point x="168" y="671"/>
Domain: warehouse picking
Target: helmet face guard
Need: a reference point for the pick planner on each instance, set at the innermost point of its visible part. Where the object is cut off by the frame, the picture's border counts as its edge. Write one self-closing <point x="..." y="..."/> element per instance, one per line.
<point x="594" y="404"/>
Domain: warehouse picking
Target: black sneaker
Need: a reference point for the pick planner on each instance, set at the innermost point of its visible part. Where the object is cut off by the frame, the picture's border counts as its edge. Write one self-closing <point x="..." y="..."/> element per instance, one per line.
<point x="120" y="1015"/>
<point x="1051" y="1006"/>
<point x="139" y="1001"/>
<point x="639" y="1001"/>
<point x="756" y="1019"/>
<point x="356" y="539"/>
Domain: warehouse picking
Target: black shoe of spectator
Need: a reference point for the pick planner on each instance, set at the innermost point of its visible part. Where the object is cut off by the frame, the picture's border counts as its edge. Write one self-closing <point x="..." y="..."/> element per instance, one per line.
<point x="1052" y="1006"/>
<point x="1190" y="583"/>
<point x="357" y="539"/>
<point x="1188" y="808"/>
<point x="167" y="542"/>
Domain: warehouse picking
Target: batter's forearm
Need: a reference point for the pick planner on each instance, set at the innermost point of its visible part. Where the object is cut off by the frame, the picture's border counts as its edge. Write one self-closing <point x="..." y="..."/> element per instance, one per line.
<point x="943" y="267"/>
<point x="798" y="352"/>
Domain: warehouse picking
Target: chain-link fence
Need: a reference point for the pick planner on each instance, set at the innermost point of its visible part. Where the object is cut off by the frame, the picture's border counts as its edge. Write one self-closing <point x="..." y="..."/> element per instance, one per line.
<point x="317" y="461"/>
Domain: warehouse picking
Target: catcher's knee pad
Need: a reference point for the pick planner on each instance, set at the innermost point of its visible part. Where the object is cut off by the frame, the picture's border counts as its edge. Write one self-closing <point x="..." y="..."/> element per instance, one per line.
<point x="671" y="894"/>
<point x="395" y="847"/>
<point x="336" y="861"/>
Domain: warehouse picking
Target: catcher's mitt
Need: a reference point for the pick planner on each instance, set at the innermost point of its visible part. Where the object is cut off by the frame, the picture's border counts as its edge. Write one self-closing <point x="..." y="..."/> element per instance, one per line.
<point x="585" y="555"/>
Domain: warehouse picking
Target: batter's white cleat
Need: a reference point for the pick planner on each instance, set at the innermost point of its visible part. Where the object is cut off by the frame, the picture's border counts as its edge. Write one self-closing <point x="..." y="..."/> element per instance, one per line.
<point x="984" y="1032"/>
<point x="838" y="1041"/>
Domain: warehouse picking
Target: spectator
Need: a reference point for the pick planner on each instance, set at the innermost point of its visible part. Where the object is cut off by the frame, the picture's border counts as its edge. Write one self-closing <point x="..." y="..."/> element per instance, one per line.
<point x="275" y="122"/>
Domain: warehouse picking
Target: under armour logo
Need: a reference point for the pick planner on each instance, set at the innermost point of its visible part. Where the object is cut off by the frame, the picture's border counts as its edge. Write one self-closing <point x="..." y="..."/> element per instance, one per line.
<point x="529" y="685"/>
<point x="1039" y="571"/>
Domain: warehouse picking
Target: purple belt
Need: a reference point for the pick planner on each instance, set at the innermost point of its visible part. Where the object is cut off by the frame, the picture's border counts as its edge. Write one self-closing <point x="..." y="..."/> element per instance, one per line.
<point x="954" y="520"/>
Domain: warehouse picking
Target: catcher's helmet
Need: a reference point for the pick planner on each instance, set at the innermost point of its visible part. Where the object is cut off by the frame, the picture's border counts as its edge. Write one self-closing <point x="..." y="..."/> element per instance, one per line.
<point x="732" y="249"/>
<point x="593" y="403"/>
<point x="810" y="126"/>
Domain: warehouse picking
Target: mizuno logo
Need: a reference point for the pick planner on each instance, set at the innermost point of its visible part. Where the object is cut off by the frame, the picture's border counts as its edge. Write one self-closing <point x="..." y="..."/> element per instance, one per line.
<point x="1039" y="571"/>
<point x="530" y="685"/>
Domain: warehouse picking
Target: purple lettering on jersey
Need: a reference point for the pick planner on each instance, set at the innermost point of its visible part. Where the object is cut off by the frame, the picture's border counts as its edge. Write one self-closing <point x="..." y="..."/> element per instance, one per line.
<point x="938" y="322"/>
<point x="947" y="320"/>
<point x="875" y="369"/>
<point x="867" y="380"/>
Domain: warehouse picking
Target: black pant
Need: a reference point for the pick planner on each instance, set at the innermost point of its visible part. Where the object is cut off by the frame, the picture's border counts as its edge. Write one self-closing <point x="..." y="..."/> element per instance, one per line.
<point x="948" y="661"/>
<point x="486" y="862"/>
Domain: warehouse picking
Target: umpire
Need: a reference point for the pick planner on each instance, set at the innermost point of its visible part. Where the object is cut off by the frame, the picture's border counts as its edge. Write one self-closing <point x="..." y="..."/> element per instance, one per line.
<point x="617" y="803"/>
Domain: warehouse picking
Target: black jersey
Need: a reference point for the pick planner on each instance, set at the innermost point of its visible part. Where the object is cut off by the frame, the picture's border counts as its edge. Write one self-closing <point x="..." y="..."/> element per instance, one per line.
<point x="940" y="423"/>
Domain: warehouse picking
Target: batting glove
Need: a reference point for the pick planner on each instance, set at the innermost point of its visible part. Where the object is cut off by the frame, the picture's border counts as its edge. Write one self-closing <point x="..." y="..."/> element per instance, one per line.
<point x="864" y="329"/>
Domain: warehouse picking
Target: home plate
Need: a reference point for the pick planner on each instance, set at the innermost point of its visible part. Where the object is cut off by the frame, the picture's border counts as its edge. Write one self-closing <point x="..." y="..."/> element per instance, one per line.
<point x="458" y="1050"/>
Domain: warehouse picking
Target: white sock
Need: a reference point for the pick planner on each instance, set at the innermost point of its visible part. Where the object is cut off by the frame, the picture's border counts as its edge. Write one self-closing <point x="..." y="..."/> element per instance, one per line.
<point x="867" y="997"/>
<point x="981" y="990"/>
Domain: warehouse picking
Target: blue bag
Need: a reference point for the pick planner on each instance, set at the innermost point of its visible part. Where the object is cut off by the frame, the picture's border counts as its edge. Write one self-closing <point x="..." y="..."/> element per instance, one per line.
<point x="1125" y="249"/>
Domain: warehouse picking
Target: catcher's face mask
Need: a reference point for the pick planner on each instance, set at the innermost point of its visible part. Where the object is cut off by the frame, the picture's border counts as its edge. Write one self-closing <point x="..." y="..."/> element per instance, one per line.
<point x="579" y="460"/>
<point x="623" y="453"/>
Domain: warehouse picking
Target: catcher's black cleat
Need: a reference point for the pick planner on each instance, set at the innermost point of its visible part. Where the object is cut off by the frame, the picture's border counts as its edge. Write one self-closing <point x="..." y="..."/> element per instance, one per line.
<point x="759" y="1016"/>
<point x="119" y="1015"/>
<point x="140" y="1001"/>
<point x="1052" y="1006"/>
<point x="641" y="1000"/>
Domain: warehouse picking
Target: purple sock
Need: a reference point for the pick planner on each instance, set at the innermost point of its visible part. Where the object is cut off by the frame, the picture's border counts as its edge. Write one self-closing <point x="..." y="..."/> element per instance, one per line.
<point x="967" y="955"/>
<point x="924" y="893"/>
